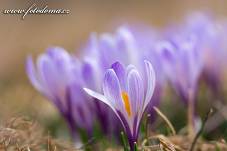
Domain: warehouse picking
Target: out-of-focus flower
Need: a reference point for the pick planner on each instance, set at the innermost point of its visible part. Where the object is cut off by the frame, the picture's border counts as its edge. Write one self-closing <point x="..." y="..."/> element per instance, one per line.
<point x="57" y="75"/>
<point x="127" y="92"/>
<point x="109" y="48"/>
<point x="183" y="66"/>
<point x="211" y="37"/>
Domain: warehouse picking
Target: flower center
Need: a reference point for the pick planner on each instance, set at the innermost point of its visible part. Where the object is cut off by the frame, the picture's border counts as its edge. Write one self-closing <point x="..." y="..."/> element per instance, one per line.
<point x="126" y="100"/>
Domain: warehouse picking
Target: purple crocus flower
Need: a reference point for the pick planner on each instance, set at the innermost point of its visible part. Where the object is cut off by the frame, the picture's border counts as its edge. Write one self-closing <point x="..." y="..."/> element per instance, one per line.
<point x="183" y="66"/>
<point x="57" y="75"/>
<point x="100" y="53"/>
<point x="127" y="92"/>
<point x="105" y="49"/>
<point x="210" y="35"/>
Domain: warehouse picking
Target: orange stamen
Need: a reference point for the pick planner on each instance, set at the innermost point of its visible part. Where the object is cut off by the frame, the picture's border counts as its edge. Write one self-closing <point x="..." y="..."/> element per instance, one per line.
<point x="126" y="100"/>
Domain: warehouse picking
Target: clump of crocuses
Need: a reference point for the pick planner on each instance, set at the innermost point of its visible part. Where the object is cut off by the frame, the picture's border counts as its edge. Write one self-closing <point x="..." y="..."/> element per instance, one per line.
<point x="57" y="75"/>
<point x="190" y="51"/>
<point x="115" y="75"/>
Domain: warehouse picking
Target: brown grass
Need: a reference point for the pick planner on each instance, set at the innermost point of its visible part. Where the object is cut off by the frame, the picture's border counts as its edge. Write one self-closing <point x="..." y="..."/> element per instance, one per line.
<point x="21" y="134"/>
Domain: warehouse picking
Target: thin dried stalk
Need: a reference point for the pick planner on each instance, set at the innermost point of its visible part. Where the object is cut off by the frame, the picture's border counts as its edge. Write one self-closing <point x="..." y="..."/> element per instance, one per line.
<point x="166" y="120"/>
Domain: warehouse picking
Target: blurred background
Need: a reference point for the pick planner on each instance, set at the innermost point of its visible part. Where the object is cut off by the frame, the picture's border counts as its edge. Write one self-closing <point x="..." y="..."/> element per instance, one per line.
<point x="33" y="35"/>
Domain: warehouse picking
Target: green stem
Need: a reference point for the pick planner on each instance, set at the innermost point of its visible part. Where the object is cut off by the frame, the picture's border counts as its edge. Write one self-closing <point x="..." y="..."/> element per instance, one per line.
<point x="135" y="146"/>
<point x="124" y="141"/>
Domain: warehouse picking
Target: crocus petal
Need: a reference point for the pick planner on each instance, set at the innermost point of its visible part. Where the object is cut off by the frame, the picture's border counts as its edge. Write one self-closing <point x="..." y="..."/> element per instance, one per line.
<point x="49" y="76"/>
<point x="112" y="90"/>
<point x="126" y="45"/>
<point x="150" y="79"/>
<point x="129" y="68"/>
<point x="32" y="75"/>
<point x="120" y="72"/>
<point x="166" y="49"/>
<point x="80" y="108"/>
<point x="107" y="43"/>
<point x="58" y="53"/>
<point x="107" y="49"/>
<point x="62" y="62"/>
<point x="125" y="38"/>
<point x="103" y="99"/>
<point x="99" y="97"/>
<point x="89" y="75"/>
<point x="136" y="91"/>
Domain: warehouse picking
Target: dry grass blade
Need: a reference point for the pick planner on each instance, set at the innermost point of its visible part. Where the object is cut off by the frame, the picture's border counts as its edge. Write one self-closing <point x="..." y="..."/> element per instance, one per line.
<point x="201" y="130"/>
<point x="164" y="144"/>
<point x="165" y="119"/>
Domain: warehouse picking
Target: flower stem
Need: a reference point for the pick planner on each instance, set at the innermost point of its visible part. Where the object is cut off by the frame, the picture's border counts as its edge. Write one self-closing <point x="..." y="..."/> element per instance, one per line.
<point x="191" y="110"/>
<point x="135" y="146"/>
<point x="124" y="141"/>
<point x="132" y="143"/>
<point x="132" y="146"/>
<point x="147" y="126"/>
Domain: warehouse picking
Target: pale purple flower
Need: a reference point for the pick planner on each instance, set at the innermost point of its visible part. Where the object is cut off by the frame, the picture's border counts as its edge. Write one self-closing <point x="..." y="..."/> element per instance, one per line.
<point x="210" y="36"/>
<point x="100" y="53"/>
<point x="107" y="48"/>
<point x="190" y="50"/>
<point x="183" y="66"/>
<point x="57" y="75"/>
<point x="127" y="92"/>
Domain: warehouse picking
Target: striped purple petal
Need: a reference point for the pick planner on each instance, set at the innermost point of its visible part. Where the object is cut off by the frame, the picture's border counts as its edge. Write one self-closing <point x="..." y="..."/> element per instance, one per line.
<point x="112" y="90"/>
